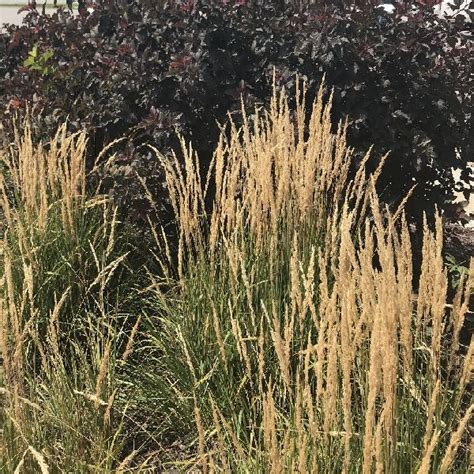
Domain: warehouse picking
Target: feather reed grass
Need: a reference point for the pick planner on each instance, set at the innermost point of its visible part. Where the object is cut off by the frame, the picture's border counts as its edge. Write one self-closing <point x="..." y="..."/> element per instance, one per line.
<point x="58" y="320"/>
<point x="287" y="336"/>
<point x="283" y="334"/>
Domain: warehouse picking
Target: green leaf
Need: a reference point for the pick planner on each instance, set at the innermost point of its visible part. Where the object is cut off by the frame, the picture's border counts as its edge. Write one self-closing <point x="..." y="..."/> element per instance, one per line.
<point x="47" y="55"/>
<point x="29" y="61"/>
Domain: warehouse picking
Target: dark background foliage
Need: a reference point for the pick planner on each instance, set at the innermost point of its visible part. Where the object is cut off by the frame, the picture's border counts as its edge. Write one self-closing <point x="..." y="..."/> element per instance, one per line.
<point x="147" y="70"/>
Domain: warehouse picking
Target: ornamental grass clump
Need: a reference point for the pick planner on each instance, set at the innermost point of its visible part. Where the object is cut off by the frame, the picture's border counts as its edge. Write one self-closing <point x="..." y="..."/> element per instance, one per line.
<point x="286" y="335"/>
<point x="60" y="317"/>
<point x="280" y="329"/>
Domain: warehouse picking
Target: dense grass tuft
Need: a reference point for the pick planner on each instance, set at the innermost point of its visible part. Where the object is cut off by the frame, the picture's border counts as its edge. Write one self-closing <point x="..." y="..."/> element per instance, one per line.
<point x="287" y="337"/>
<point x="280" y="332"/>
<point x="60" y="312"/>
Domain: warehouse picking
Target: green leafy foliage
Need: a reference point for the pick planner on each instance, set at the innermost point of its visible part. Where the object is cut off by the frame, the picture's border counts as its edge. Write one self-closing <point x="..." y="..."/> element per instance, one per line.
<point x="457" y="271"/>
<point x="39" y="62"/>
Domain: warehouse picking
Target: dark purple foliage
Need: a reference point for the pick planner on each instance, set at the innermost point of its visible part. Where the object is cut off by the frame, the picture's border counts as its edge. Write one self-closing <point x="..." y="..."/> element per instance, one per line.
<point x="149" y="69"/>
